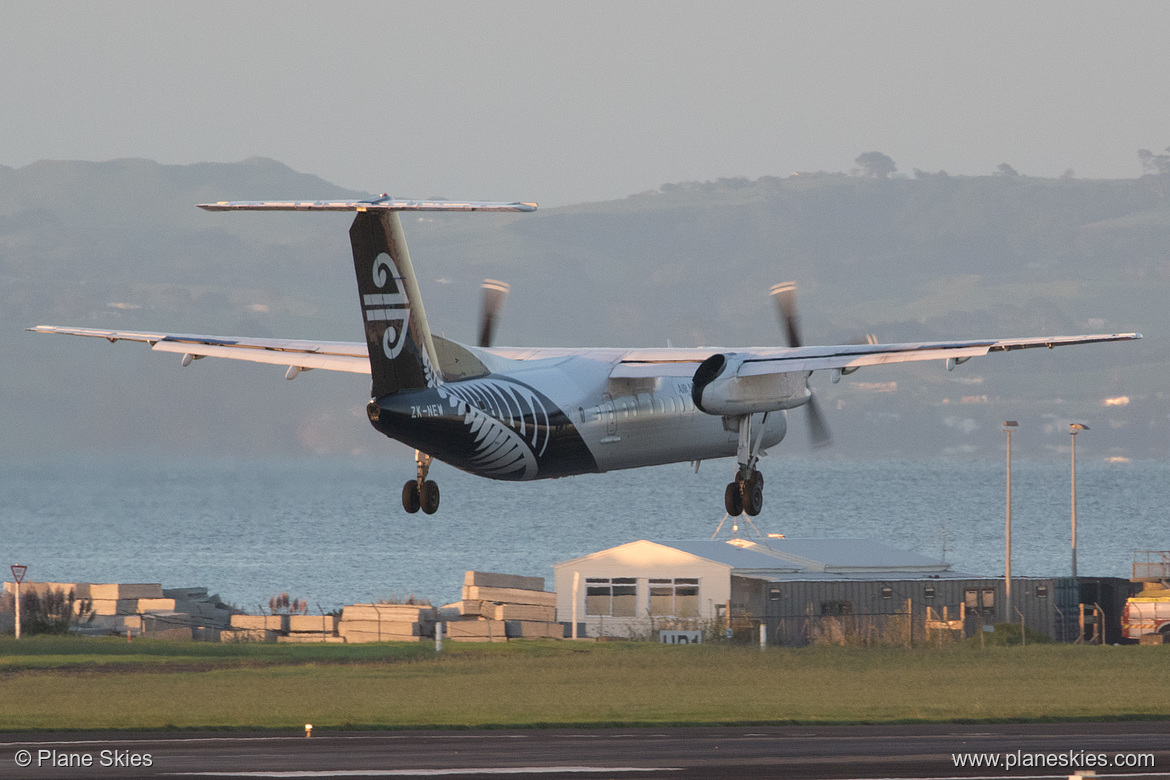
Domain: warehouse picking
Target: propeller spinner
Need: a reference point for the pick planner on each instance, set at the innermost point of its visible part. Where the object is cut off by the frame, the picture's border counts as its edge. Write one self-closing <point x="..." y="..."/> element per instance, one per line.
<point x="785" y="295"/>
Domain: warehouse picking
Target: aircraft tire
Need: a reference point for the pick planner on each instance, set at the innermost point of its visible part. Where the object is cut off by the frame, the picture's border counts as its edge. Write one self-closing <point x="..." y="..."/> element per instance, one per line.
<point x="733" y="499"/>
<point x="410" y="497"/>
<point x="430" y="497"/>
<point x="753" y="496"/>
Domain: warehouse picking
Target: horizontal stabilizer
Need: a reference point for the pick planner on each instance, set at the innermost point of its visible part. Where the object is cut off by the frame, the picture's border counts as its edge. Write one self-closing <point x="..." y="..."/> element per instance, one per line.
<point x="384" y="203"/>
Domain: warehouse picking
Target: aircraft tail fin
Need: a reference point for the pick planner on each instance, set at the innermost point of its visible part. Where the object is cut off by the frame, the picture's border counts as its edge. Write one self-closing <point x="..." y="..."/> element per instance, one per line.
<point x="402" y="352"/>
<point x="398" y="337"/>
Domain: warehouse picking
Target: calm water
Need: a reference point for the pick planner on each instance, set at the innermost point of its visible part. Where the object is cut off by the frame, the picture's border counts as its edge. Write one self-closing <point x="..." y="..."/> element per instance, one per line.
<point x="332" y="530"/>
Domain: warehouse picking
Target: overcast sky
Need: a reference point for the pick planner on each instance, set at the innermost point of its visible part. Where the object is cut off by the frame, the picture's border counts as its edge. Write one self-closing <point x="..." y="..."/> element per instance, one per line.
<point x="572" y="102"/>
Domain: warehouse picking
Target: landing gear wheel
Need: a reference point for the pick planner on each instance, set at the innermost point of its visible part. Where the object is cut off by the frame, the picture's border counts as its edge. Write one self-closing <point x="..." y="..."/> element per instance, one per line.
<point x="733" y="499"/>
<point x="430" y="497"/>
<point x="753" y="494"/>
<point x="410" y="497"/>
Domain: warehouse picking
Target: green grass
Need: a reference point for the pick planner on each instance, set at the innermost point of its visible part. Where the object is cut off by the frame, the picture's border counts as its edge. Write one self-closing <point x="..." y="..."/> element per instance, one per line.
<point x="65" y="682"/>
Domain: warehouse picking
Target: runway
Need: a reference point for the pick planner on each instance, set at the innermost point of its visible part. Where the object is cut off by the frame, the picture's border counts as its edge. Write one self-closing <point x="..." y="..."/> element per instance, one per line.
<point x="1130" y="749"/>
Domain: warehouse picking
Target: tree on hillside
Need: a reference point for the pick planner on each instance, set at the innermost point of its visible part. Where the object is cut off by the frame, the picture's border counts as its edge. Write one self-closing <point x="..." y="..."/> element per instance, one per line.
<point x="1158" y="164"/>
<point x="1006" y="170"/>
<point x="876" y="165"/>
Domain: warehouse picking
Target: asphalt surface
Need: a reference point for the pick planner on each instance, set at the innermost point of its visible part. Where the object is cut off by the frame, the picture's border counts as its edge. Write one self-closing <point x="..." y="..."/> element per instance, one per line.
<point x="898" y="751"/>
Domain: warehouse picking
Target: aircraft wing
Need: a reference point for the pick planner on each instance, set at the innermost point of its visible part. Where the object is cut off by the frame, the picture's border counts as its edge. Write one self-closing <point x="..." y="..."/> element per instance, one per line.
<point x="756" y="361"/>
<point x="301" y="355"/>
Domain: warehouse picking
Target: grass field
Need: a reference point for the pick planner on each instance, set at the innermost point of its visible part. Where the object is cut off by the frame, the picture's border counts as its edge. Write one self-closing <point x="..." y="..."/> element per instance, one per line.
<point x="79" y="683"/>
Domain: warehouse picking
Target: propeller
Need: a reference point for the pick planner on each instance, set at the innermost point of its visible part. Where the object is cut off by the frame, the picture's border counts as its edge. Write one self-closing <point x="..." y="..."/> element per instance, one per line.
<point x="785" y="295"/>
<point x="494" y="294"/>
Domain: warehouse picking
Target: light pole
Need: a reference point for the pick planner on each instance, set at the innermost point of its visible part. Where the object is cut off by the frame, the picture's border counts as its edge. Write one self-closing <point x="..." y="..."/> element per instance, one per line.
<point x="1009" y="428"/>
<point x="1073" y="429"/>
<point x="18" y="575"/>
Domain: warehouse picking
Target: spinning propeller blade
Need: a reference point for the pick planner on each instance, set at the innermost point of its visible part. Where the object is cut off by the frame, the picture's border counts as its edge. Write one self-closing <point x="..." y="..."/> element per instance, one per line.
<point x="494" y="295"/>
<point x="785" y="295"/>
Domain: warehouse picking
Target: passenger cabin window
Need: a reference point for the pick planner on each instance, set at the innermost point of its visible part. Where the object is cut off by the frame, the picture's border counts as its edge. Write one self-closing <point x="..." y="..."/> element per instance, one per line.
<point x="616" y="597"/>
<point x="678" y="597"/>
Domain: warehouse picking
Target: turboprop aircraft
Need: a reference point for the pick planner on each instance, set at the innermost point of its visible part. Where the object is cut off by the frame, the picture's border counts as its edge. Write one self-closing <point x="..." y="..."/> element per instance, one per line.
<point x="519" y="413"/>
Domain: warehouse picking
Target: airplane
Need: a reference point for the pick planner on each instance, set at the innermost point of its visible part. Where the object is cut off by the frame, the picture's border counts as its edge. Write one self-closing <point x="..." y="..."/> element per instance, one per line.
<point x="512" y="413"/>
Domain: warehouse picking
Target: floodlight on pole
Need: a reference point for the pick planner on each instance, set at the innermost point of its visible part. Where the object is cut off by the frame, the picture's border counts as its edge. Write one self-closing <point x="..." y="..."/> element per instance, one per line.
<point x="1009" y="427"/>
<point x="1073" y="430"/>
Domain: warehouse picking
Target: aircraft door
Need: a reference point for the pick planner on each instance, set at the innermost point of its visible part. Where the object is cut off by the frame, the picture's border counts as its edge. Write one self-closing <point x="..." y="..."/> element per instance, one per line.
<point x="610" y="415"/>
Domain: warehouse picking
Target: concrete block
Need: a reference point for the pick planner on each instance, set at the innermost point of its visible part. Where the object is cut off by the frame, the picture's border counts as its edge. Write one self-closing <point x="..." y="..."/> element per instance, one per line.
<point x="316" y="623"/>
<point x="410" y="613"/>
<point x="256" y="622"/>
<point x="479" y="638"/>
<point x="187" y="594"/>
<point x="457" y="629"/>
<point x="533" y="629"/>
<point x="114" y="606"/>
<point x="309" y="639"/>
<point x="538" y="598"/>
<point x="108" y="591"/>
<point x="363" y="637"/>
<point x="41" y="587"/>
<point x="525" y="612"/>
<point x="155" y="605"/>
<point x="248" y="635"/>
<point x="487" y="579"/>
<point x="385" y="627"/>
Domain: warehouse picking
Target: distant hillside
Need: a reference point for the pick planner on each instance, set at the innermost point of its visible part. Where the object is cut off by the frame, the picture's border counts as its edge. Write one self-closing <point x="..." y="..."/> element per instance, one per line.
<point x="120" y="244"/>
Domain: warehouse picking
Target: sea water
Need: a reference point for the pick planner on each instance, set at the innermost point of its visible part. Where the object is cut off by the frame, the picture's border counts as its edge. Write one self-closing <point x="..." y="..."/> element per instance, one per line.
<point x="331" y="530"/>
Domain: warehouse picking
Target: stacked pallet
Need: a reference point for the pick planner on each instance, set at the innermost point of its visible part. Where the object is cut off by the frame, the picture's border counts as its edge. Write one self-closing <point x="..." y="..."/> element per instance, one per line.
<point x="496" y="607"/>
<point x="386" y="623"/>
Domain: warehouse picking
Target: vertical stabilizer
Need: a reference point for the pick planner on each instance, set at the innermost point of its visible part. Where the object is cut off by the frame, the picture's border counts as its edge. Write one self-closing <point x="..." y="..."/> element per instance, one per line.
<point x="402" y="353"/>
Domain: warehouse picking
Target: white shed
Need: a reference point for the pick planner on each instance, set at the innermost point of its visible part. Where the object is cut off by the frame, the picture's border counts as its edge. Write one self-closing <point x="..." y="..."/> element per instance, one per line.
<point x="626" y="590"/>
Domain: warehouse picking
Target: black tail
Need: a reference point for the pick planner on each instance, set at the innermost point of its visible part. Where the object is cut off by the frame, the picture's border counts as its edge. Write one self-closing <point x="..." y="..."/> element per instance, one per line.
<point x="397" y="335"/>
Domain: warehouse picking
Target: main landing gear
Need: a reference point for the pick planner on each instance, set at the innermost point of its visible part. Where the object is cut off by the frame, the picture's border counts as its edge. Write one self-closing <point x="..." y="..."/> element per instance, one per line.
<point x="746" y="493"/>
<point x="421" y="492"/>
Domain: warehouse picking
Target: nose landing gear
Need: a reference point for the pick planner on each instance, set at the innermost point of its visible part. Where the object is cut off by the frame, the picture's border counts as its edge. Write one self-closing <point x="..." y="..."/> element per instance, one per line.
<point x="421" y="493"/>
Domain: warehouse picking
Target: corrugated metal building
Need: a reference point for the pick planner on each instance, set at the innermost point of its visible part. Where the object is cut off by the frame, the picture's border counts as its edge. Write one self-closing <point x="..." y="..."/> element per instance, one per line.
<point x="804" y="590"/>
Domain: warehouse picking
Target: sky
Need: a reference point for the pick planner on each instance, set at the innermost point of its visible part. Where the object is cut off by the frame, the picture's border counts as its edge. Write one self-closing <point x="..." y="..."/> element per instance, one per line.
<point x="571" y="102"/>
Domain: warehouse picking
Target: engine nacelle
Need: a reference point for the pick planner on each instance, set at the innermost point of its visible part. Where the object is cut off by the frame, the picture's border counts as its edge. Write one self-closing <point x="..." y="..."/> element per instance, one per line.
<point x="718" y="389"/>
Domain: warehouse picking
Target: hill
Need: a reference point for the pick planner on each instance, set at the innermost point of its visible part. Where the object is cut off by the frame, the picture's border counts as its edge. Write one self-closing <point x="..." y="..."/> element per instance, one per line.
<point x="119" y="244"/>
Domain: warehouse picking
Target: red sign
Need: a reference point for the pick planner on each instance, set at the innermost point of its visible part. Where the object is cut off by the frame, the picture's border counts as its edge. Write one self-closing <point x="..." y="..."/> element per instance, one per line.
<point x="18" y="572"/>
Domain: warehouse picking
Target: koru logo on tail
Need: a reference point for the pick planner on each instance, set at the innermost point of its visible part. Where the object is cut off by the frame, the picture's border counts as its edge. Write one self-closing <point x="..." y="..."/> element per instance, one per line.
<point x="392" y="308"/>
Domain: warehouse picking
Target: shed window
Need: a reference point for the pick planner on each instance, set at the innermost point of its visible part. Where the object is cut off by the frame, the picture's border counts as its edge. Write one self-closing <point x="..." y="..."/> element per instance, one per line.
<point x="774" y="593"/>
<point x="678" y="597"/>
<point x="988" y="600"/>
<point x="1041" y="591"/>
<point x="617" y="597"/>
<point x="971" y="598"/>
<point x="929" y="592"/>
<point x="836" y="607"/>
<point x="887" y="592"/>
